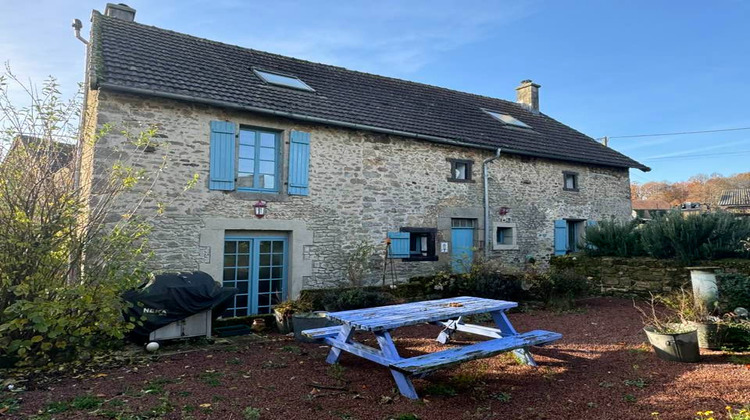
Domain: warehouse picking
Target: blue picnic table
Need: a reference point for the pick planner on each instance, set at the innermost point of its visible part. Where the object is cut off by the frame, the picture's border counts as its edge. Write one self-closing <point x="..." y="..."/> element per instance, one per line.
<point x="448" y="313"/>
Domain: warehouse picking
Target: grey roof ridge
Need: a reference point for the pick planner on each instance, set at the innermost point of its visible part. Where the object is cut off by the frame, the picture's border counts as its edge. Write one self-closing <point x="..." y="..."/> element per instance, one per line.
<point x="308" y="118"/>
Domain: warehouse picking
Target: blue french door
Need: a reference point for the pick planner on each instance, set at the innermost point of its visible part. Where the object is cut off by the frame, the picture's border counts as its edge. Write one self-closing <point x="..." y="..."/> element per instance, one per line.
<point x="257" y="267"/>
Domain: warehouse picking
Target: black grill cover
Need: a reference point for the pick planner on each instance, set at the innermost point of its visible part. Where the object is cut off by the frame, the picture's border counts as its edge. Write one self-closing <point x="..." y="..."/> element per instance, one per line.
<point x="175" y="296"/>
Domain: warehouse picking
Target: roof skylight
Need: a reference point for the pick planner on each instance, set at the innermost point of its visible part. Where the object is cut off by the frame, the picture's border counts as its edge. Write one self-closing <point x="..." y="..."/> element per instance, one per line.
<point x="283" y="80"/>
<point x="507" y="119"/>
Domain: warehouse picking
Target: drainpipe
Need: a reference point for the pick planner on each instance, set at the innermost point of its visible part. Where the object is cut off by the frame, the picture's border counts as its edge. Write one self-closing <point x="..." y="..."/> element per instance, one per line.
<point x="487" y="227"/>
<point x="74" y="270"/>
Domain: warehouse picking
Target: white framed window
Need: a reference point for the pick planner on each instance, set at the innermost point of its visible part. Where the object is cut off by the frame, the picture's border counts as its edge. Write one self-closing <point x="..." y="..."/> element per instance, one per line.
<point x="570" y="181"/>
<point x="504" y="236"/>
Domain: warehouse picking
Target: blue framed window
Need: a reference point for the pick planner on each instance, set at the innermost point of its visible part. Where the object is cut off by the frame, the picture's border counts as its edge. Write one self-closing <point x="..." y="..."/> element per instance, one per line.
<point x="258" y="160"/>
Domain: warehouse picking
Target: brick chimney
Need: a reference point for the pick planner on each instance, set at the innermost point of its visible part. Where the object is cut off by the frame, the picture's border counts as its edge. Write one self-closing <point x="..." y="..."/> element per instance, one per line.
<point x="527" y="94"/>
<point x="120" y="11"/>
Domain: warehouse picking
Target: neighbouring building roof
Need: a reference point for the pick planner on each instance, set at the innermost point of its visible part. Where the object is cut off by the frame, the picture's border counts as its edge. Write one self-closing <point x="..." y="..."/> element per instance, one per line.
<point x="739" y="197"/>
<point x="57" y="153"/>
<point x="129" y="56"/>
<point x="650" y="205"/>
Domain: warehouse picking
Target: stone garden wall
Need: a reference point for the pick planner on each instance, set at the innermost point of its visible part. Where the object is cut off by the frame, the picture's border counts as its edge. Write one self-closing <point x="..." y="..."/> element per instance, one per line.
<point x="639" y="276"/>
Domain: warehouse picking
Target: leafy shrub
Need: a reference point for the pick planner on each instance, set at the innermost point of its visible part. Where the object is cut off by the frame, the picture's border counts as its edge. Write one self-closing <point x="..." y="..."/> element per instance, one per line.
<point x="737" y="335"/>
<point x="290" y="307"/>
<point x="64" y="260"/>
<point x="347" y="299"/>
<point x="692" y="238"/>
<point x="559" y="288"/>
<point x="614" y="238"/>
<point x="358" y="263"/>
<point x="734" y="290"/>
<point x="672" y="236"/>
<point x="487" y="278"/>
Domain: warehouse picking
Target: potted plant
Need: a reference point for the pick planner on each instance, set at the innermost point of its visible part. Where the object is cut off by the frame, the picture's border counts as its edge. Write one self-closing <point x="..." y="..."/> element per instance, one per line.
<point x="672" y="338"/>
<point x="697" y="314"/>
<point x="284" y="313"/>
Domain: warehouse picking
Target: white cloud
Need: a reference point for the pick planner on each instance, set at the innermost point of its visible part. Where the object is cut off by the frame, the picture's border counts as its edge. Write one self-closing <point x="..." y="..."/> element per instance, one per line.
<point x="387" y="37"/>
<point x="699" y="149"/>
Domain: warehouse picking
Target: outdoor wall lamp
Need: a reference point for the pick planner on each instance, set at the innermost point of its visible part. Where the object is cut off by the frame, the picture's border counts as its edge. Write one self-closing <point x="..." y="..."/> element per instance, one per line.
<point x="260" y="208"/>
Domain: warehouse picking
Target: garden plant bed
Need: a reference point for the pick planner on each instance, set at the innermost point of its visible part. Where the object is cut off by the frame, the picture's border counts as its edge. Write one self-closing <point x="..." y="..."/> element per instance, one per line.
<point x="600" y="369"/>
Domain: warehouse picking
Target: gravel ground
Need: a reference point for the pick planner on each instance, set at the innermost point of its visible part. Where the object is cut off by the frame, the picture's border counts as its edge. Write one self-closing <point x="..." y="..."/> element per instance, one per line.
<point x="601" y="369"/>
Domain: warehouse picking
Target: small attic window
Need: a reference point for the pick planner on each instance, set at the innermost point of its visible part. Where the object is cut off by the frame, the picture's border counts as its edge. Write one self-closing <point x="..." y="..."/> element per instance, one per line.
<point x="282" y="80"/>
<point x="507" y="119"/>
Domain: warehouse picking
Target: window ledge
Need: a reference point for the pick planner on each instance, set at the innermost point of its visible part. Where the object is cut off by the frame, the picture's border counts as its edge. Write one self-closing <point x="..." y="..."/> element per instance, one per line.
<point x="270" y="196"/>
<point x="410" y="259"/>
<point x="570" y="189"/>
<point x="503" y="247"/>
<point x="469" y="181"/>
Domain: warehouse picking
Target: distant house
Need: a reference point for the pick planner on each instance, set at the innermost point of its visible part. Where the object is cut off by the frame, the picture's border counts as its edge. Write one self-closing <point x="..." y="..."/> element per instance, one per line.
<point x="648" y="209"/>
<point x="690" y="207"/>
<point x="736" y="201"/>
<point x="56" y="155"/>
<point x="332" y="158"/>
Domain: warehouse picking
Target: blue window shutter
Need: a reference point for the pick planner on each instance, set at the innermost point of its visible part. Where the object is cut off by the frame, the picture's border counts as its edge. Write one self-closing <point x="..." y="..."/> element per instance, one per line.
<point x="561" y="237"/>
<point x="222" y="171"/>
<point x="399" y="245"/>
<point x="299" y="163"/>
<point x="590" y="223"/>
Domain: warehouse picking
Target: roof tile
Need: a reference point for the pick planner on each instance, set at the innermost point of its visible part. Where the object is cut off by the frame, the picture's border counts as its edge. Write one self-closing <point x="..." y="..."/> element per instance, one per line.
<point x="739" y="197"/>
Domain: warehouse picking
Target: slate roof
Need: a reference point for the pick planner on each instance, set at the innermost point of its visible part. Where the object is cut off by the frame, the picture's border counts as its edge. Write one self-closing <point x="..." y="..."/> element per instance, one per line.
<point x="134" y="57"/>
<point x="739" y="197"/>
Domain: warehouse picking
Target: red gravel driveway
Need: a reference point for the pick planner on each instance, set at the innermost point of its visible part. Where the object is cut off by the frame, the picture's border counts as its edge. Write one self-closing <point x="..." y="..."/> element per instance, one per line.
<point x="601" y="369"/>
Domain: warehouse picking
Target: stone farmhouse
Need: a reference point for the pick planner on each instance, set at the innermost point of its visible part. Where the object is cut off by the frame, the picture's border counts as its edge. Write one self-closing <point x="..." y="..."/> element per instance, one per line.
<point x="334" y="158"/>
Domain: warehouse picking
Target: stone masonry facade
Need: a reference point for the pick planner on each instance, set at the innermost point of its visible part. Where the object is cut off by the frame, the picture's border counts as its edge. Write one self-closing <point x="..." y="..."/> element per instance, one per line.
<point x="362" y="185"/>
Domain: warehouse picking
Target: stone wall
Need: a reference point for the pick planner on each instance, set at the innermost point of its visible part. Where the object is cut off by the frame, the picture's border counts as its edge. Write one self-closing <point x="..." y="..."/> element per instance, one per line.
<point x="640" y="276"/>
<point x="362" y="185"/>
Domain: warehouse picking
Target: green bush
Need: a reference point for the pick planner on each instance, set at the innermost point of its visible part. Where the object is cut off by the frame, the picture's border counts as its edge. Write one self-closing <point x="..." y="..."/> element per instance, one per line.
<point x="65" y="260"/>
<point x="706" y="236"/>
<point x="734" y="291"/>
<point x="485" y="278"/>
<point x="613" y="238"/>
<point x="655" y="240"/>
<point x="358" y="298"/>
<point x="673" y="236"/>
<point x="559" y="288"/>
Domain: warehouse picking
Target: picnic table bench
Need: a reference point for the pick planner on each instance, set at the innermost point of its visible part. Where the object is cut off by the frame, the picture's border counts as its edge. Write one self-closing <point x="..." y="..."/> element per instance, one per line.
<point x="449" y="314"/>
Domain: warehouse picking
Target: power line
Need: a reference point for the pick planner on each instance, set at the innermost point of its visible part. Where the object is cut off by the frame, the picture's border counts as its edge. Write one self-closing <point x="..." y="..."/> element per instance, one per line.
<point x="700" y="155"/>
<point x="678" y="133"/>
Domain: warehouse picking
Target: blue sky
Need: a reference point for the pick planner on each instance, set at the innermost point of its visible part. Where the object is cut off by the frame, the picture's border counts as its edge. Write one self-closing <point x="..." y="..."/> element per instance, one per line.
<point x="606" y="68"/>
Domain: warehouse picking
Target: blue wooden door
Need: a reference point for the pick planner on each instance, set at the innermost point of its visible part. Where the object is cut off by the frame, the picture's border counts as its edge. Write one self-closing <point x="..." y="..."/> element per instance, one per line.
<point x="462" y="244"/>
<point x="257" y="267"/>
